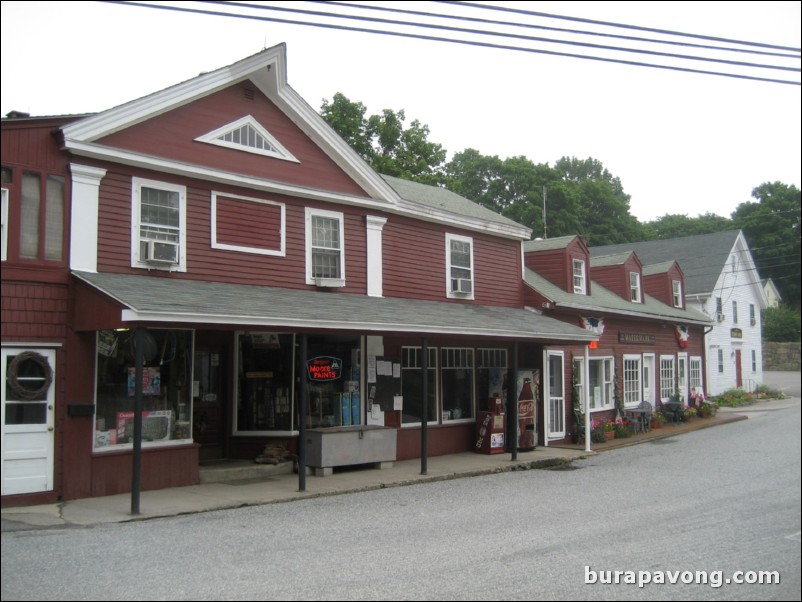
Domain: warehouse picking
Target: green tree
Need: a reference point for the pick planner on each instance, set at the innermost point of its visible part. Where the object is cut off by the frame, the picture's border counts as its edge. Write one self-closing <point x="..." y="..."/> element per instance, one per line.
<point x="781" y="325"/>
<point x="772" y="228"/>
<point x="603" y="205"/>
<point x="677" y="226"/>
<point x="385" y="143"/>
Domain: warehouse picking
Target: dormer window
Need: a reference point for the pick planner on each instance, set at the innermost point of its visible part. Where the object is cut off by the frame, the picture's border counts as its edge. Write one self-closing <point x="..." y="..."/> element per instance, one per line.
<point x="579" y="277"/>
<point x="634" y="287"/>
<point x="677" y="292"/>
<point x="248" y="135"/>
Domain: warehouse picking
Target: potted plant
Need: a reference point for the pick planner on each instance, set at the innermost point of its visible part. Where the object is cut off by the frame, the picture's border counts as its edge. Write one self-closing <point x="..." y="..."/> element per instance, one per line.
<point x="706" y="410"/>
<point x="608" y="428"/>
<point x="688" y="414"/>
<point x="658" y="420"/>
<point x="622" y="429"/>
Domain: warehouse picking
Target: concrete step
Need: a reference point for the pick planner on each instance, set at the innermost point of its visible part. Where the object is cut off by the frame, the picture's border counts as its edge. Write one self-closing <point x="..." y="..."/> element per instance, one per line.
<point x="231" y="471"/>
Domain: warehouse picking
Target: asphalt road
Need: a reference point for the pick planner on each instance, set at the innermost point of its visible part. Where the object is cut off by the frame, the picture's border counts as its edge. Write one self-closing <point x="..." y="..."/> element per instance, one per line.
<point x="718" y="501"/>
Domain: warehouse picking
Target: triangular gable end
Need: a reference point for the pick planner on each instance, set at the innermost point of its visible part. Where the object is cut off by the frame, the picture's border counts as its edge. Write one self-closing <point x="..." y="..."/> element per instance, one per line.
<point x="246" y="134"/>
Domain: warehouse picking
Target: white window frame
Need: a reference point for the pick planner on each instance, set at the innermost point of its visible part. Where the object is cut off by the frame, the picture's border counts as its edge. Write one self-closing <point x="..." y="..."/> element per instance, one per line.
<point x="310" y="278"/>
<point x="280" y="252"/>
<point x="667" y="377"/>
<point x="136" y="216"/>
<point x="450" y="292"/>
<point x="676" y="287"/>
<point x="720" y="361"/>
<point x="632" y="380"/>
<point x="634" y="287"/>
<point x="277" y="152"/>
<point x="695" y="373"/>
<point x="458" y="358"/>
<point x="579" y="280"/>
<point x="752" y="315"/>
<point x="555" y="400"/>
<point x="734" y="312"/>
<point x="682" y="376"/>
<point x="607" y="401"/>
<point x="754" y="360"/>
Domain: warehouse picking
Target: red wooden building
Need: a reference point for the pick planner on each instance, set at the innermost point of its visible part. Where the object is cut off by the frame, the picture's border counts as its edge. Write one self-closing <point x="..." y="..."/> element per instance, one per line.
<point x="650" y="347"/>
<point x="259" y="257"/>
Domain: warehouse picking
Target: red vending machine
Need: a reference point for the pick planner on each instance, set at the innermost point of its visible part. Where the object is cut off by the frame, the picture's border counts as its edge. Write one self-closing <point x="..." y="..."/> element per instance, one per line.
<point x="528" y="382"/>
<point x="489" y="433"/>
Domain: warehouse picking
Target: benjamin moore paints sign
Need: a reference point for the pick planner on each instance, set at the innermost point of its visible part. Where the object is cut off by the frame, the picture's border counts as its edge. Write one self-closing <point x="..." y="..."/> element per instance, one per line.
<point x="324" y="368"/>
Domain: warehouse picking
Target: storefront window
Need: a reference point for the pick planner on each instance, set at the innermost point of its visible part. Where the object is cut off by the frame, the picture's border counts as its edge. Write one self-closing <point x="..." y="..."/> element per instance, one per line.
<point x="457" y="375"/>
<point x="167" y="371"/>
<point x="412" y="385"/>
<point x="491" y="379"/>
<point x="334" y="373"/>
<point x="265" y="382"/>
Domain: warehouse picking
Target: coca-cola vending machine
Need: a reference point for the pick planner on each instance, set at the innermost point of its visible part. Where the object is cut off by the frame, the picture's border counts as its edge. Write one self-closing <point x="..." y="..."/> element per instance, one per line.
<point x="528" y="383"/>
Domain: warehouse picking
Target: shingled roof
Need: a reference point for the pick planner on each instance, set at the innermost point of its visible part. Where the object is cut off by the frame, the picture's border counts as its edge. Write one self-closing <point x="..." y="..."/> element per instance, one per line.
<point x="702" y="257"/>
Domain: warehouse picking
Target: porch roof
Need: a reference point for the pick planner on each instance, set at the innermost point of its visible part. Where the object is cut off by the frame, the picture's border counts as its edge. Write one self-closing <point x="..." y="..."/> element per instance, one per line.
<point x="149" y="299"/>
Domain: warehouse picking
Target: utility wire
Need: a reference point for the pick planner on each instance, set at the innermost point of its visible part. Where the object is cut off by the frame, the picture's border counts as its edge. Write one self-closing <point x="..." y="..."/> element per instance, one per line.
<point x="546" y="28"/>
<point x="611" y="24"/>
<point x="451" y="40"/>
<point x="519" y="37"/>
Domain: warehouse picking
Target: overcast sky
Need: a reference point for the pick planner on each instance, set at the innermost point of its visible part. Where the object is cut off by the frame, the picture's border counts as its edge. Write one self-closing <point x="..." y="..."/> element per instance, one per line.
<point x="680" y="142"/>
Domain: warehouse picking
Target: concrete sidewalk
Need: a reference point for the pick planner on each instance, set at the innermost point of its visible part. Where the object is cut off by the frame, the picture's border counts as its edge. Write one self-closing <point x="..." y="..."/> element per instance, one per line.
<point x="281" y="485"/>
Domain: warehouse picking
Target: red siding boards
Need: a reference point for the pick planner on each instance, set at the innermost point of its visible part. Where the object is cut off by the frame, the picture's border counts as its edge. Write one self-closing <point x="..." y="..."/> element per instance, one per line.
<point x="173" y="134"/>
<point x="665" y="343"/>
<point x="245" y="223"/>
<point x="414" y="259"/>
<point x="556" y="265"/>
<point x="33" y="144"/>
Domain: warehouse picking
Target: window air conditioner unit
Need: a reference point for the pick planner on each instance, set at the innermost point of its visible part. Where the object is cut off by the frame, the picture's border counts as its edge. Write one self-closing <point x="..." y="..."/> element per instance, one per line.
<point x="161" y="252"/>
<point x="719" y="317"/>
<point x="329" y="282"/>
<point x="463" y="286"/>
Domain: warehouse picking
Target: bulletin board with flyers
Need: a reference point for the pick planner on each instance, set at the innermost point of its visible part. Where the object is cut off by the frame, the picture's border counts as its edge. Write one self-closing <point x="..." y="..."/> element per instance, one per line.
<point x="384" y="381"/>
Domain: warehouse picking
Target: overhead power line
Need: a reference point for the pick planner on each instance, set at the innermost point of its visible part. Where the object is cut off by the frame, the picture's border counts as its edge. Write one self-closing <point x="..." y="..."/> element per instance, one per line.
<point x="611" y="24"/>
<point x="482" y="32"/>
<point x="547" y="28"/>
<point x="474" y="43"/>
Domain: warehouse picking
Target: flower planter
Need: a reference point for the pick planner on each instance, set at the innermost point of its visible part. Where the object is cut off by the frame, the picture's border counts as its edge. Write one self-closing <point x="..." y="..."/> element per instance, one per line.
<point x="656" y="424"/>
<point x="609" y="435"/>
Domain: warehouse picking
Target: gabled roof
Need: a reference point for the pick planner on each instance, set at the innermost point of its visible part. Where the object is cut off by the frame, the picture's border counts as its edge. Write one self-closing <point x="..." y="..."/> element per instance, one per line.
<point x="442" y="200"/>
<point x="702" y="256"/>
<point x="605" y="301"/>
<point x="658" y="268"/>
<point x="611" y="259"/>
<point x="548" y="244"/>
<point x="182" y="301"/>
<point x="267" y="70"/>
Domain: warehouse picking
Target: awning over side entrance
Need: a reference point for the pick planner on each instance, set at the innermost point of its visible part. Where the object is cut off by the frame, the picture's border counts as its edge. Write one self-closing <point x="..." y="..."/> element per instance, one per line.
<point x="172" y="300"/>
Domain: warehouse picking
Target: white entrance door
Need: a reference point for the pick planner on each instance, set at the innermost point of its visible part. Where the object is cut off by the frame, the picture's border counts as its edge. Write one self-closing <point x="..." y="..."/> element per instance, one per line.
<point x="649" y="378"/>
<point x="28" y="395"/>
<point x="555" y="395"/>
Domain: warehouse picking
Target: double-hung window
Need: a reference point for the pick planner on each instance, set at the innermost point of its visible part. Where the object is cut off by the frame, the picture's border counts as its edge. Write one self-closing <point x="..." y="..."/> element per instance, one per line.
<point x="668" y="384"/>
<point x="579" y="276"/>
<point x="325" y="248"/>
<point x="634" y="287"/>
<point x="459" y="259"/>
<point x="159" y="217"/>
<point x="632" y="380"/>
<point x="676" y="286"/>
